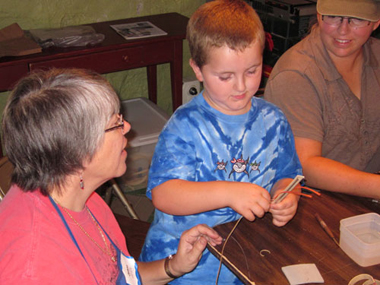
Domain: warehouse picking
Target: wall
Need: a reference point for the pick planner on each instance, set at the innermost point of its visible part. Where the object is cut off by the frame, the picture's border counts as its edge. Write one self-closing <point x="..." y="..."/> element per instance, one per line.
<point x="41" y="14"/>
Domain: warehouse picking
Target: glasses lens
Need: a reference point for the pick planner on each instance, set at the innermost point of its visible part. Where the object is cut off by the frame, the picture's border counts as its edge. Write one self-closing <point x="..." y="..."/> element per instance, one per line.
<point x="355" y="22"/>
<point x="332" y="20"/>
<point x="337" y="20"/>
<point x="120" y="124"/>
<point x="121" y="121"/>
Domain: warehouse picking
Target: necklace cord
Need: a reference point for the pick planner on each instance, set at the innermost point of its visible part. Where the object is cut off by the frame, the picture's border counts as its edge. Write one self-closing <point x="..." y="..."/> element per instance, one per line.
<point x="71" y="235"/>
<point x="107" y="250"/>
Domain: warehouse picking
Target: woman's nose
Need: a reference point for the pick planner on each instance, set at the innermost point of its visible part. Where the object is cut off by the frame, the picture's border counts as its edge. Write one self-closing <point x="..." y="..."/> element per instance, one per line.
<point x="344" y="26"/>
<point x="127" y="127"/>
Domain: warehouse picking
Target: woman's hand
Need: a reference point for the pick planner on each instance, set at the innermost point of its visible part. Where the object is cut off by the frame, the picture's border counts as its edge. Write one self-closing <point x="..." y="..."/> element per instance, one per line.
<point x="190" y="248"/>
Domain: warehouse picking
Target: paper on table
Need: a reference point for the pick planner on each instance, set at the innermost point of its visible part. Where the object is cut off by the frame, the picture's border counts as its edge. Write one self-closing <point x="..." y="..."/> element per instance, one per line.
<point x="13" y="42"/>
<point x="138" y="30"/>
<point x="302" y="274"/>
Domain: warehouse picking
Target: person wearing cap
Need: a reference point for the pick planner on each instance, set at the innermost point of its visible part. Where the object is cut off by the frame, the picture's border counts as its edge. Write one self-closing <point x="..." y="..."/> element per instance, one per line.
<point x="328" y="86"/>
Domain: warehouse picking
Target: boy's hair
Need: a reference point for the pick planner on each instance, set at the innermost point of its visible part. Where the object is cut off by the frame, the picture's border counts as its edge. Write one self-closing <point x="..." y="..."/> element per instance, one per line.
<point x="223" y="22"/>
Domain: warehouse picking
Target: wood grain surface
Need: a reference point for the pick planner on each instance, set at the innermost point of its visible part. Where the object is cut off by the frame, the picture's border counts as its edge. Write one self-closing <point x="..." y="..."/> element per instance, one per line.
<point x="135" y="232"/>
<point x="258" y="250"/>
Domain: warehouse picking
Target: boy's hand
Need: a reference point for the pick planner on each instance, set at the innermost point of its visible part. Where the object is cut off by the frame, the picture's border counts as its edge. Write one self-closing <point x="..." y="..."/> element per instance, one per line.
<point x="284" y="211"/>
<point x="249" y="200"/>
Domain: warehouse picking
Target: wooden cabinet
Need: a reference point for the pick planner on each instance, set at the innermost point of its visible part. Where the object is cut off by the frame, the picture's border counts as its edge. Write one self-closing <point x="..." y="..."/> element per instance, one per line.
<point x="113" y="54"/>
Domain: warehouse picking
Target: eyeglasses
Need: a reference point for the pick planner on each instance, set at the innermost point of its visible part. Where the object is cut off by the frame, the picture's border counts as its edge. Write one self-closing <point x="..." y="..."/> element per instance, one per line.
<point x="336" y="21"/>
<point x="120" y="124"/>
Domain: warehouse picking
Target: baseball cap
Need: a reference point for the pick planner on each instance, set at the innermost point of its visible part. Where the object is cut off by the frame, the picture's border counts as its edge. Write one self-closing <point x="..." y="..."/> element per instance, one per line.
<point x="362" y="9"/>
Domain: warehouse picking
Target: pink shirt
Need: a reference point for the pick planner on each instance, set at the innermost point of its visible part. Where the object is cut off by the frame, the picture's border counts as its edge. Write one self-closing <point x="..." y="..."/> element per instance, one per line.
<point x="36" y="248"/>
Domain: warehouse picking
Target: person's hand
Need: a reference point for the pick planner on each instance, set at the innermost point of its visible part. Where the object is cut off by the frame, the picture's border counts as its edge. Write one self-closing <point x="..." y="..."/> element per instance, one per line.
<point x="190" y="248"/>
<point x="284" y="211"/>
<point x="249" y="200"/>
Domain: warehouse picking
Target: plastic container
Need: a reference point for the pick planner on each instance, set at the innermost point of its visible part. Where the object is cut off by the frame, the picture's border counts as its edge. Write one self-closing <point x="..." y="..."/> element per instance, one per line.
<point x="360" y="238"/>
<point x="147" y="121"/>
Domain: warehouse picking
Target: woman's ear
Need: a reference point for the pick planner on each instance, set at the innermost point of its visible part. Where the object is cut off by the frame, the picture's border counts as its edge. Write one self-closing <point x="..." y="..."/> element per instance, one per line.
<point x="376" y="25"/>
<point x="319" y="18"/>
<point x="196" y="69"/>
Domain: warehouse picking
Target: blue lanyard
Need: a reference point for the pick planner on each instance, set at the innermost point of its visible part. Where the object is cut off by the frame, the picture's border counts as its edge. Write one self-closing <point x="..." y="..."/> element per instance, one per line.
<point x="121" y="278"/>
<point x="71" y="235"/>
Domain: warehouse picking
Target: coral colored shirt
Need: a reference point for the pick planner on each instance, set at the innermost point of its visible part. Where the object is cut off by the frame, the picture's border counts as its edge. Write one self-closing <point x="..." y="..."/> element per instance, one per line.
<point x="36" y="248"/>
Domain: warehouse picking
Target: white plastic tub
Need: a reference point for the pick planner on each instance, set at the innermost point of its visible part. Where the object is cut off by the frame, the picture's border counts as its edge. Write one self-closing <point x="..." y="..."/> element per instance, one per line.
<point x="147" y="121"/>
<point x="360" y="238"/>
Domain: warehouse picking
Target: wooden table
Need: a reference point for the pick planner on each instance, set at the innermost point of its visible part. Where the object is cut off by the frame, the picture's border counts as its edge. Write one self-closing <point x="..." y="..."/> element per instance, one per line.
<point x="113" y="54"/>
<point x="135" y="232"/>
<point x="302" y="240"/>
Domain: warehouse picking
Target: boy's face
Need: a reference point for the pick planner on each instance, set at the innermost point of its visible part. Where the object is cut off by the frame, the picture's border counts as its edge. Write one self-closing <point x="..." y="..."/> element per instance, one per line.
<point x="230" y="78"/>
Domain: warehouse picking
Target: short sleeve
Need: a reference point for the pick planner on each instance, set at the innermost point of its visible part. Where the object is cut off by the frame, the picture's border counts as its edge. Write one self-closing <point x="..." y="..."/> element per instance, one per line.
<point x="174" y="156"/>
<point x="296" y="96"/>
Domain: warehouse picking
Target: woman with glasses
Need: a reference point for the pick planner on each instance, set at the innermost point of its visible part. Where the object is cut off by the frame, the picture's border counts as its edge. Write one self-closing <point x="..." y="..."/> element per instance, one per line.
<point x="65" y="138"/>
<point x="328" y="86"/>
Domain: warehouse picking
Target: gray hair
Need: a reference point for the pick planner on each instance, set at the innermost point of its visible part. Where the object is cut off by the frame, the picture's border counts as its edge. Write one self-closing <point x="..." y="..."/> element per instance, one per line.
<point x="53" y="122"/>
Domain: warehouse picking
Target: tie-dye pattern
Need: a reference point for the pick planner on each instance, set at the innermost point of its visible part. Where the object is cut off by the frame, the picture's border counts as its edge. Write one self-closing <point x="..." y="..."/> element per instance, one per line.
<point x="200" y="143"/>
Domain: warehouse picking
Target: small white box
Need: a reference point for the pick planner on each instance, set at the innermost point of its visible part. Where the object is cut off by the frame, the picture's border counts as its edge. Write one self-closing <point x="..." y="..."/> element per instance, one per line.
<point x="147" y="121"/>
<point x="190" y="88"/>
<point x="360" y="238"/>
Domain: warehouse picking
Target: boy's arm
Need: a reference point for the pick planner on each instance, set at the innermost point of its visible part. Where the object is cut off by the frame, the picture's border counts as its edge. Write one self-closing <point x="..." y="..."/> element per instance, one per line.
<point x="280" y="185"/>
<point x="181" y="197"/>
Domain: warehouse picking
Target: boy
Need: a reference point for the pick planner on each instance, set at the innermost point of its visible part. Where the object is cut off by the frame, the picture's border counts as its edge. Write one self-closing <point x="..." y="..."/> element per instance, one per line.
<point x="225" y="154"/>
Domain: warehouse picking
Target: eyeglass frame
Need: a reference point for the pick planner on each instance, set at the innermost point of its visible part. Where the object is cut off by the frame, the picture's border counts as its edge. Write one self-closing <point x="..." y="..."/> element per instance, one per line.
<point x="120" y="124"/>
<point x="349" y="19"/>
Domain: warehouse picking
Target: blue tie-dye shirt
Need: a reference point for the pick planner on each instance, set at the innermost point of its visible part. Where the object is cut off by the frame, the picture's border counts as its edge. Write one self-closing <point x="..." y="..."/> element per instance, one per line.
<point x="199" y="143"/>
